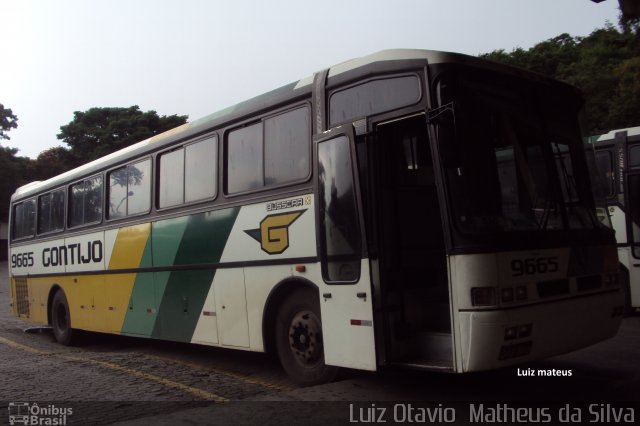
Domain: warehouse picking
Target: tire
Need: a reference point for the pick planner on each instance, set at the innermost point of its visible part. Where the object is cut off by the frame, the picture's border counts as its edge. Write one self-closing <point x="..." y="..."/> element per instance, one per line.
<point x="61" y="320"/>
<point x="299" y="339"/>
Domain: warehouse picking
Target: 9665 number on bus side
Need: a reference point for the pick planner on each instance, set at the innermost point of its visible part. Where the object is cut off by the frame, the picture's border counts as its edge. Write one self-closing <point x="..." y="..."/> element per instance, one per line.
<point x="22" y="260"/>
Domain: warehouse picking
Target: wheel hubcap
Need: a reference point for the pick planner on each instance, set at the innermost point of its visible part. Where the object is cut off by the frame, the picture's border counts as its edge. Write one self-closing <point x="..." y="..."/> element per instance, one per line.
<point x="305" y="338"/>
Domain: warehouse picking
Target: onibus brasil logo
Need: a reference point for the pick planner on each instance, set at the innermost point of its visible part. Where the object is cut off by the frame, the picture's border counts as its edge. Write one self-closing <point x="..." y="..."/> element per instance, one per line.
<point x="273" y="234"/>
<point x="25" y="413"/>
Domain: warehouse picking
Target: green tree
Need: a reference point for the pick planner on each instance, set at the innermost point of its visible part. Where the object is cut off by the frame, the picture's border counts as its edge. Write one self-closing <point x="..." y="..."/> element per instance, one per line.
<point x="625" y="110"/>
<point x="100" y="131"/>
<point x="52" y="162"/>
<point x="12" y="168"/>
<point x="548" y="57"/>
<point x="604" y="65"/>
<point x="13" y="173"/>
<point x="8" y="121"/>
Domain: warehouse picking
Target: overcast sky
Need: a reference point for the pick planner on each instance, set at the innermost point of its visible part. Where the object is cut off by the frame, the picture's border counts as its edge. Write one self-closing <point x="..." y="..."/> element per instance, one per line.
<point x="194" y="57"/>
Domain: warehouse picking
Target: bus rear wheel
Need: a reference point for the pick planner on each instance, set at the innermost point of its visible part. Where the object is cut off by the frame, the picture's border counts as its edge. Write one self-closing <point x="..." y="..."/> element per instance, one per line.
<point x="61" y="319"/>
<point x="299" y="339"/>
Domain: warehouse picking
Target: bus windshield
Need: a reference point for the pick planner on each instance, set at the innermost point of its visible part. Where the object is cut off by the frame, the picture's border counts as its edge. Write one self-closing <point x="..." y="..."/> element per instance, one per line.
<point x="514" y="157"/>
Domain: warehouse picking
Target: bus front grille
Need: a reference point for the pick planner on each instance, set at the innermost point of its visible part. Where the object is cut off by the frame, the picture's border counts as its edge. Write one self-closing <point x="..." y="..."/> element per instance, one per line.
<point x="22" y="297"/>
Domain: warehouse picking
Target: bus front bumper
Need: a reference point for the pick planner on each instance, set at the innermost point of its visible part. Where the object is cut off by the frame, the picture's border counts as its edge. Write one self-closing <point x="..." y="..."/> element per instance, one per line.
<point x="498" y="338"/>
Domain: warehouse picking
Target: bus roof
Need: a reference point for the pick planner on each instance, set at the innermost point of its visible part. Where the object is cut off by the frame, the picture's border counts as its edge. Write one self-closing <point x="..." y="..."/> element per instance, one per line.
<point x="288" y="93"/>
<point x="610" y="136"/>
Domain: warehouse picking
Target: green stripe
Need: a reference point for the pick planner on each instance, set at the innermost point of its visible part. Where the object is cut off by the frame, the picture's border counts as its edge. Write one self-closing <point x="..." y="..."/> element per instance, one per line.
<point x="203" y="241"/>
<point x="167" y="235"/>
<point x="138" y="320"/>
<point x="182" y="304"/>
<point x="167" y="305"/>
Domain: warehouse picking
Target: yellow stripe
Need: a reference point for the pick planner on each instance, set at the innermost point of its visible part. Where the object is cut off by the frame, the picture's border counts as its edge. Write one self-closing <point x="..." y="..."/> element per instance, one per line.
<point x="17" y="345"/>
<point x="246" y="379"/>
<point x="129" y="246"/>
<point x="169" y="383"/>
<point x="127" y="253"/>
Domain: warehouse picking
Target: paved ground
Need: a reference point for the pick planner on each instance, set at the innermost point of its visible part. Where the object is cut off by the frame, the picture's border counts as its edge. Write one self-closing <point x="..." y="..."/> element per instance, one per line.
<point x="125" y="378"/>
<point x="134" y="381"/>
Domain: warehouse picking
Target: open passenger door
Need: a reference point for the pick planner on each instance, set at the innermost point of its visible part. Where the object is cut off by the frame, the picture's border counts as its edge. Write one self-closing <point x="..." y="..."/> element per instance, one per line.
<point x="345" y="290"/>
<point x="414" y="306"/>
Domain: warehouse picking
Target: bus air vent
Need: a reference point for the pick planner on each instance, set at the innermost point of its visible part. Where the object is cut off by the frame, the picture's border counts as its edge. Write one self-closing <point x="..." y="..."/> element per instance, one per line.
<point x="553" y="288"/>
<point x="22" y="297"/>
<point x="590" y="282"/>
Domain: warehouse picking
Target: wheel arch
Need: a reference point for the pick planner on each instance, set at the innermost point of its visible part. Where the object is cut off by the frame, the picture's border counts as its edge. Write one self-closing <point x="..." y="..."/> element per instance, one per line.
<point x="276" y="296"/>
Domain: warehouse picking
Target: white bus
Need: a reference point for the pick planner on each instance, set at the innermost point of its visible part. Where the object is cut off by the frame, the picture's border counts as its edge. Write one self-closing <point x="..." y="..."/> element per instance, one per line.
<point x="618" y="160"/>
<point x="402" y="209"/>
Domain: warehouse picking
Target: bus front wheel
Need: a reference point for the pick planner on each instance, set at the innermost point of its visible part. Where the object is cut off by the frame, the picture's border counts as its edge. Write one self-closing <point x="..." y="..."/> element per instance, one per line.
<point x="299" y="339"/>
<point x="61" y="319"/>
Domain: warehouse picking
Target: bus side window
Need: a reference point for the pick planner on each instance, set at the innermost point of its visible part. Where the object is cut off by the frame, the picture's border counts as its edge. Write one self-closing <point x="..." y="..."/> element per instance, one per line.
<point x="276" y="151"/>
<point x="286" y="147"/>
<point x="118" y="193"/>
<point x="44" y="213"/>
<point x="200" y="170"/>
<point x="85" y="202"/>
<point x="57" y="210"/>
<point x="51" y="212"/>
<point x="24" y="219"/>
<point x="76" y="204"/>
<point x="93" y="200"/>
<point x="188" y="173"/>
<point x="139" y="189"/>
<point x="130" y="190"/>
<point x="171" y="179"/>
<point x="245" y="159"/>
